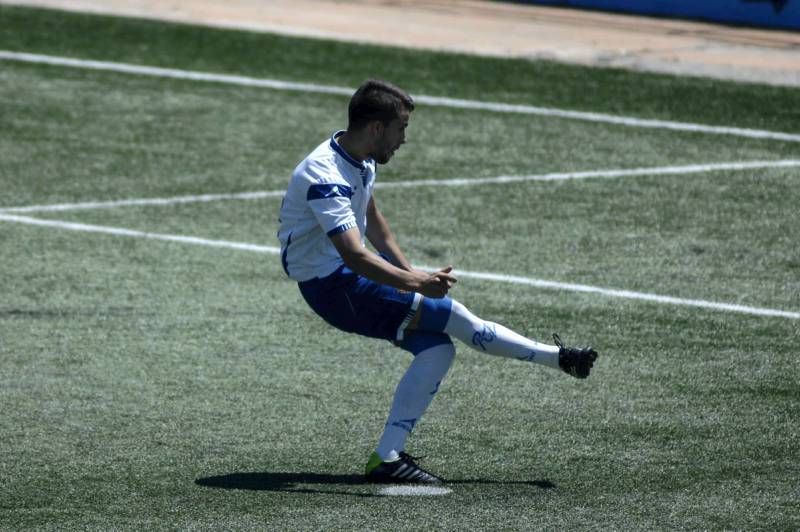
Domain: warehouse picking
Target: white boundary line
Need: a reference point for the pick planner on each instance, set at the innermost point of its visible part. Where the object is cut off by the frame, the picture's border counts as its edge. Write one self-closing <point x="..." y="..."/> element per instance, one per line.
<point x="423" y="99"/>
<point x="539" y="283"/>
<point x="561" y="176"/>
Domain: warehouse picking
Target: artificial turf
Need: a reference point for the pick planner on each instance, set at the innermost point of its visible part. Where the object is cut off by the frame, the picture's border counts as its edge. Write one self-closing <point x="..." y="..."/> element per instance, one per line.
<point x="159" y="385"/>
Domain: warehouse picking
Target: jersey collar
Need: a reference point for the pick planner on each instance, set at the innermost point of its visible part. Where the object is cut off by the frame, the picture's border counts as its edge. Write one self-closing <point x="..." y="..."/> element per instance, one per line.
<point x="346" y="156"/>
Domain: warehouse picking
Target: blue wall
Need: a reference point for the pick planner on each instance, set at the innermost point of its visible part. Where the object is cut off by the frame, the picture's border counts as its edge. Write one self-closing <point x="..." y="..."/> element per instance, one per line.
<point x="768" y="13"/>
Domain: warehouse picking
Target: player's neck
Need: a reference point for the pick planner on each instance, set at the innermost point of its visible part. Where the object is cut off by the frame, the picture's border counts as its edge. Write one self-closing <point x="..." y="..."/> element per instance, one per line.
<point x="353" y="146"/>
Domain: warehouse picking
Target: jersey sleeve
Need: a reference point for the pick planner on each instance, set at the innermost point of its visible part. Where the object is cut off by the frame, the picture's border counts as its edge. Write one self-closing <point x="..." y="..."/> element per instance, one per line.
<point x="330" y="203"/>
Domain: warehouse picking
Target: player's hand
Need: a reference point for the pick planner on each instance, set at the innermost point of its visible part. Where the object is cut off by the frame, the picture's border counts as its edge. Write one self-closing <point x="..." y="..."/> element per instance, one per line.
<point x="437" y="284"/>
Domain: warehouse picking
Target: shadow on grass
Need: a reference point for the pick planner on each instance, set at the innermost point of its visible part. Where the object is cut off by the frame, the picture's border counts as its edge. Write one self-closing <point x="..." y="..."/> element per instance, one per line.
<point x="67" y="313"/>
<point x="288" y="482"/>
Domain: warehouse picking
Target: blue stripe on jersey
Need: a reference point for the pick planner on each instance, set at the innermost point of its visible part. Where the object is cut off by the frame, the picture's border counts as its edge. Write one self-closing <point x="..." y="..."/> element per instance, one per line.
<point x="328" y="190"/>
<point x="341" y="229"/>
<point x="284" y="258"/>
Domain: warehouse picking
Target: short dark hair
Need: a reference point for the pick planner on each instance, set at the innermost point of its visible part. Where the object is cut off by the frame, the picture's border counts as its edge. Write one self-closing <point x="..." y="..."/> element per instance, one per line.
<point x="377" y="100"/>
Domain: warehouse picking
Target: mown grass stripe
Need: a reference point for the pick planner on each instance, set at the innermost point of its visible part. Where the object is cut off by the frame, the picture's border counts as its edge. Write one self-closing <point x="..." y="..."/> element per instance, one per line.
<point x="560" y="176"/>
<point x="437" y="101"/>
<point x="486" y="276"/>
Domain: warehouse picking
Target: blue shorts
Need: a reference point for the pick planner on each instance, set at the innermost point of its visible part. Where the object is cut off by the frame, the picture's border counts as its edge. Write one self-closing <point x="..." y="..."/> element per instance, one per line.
<point x="355" y="304"/>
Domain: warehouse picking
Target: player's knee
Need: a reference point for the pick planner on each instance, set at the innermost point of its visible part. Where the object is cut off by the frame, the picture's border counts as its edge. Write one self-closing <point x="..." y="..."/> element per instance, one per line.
<point x="417" y="341"/>
<point x="434" y="314"/>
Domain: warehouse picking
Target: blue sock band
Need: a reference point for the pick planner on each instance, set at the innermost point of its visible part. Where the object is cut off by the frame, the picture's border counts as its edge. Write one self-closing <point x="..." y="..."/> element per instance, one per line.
<point x="435" y="313"/>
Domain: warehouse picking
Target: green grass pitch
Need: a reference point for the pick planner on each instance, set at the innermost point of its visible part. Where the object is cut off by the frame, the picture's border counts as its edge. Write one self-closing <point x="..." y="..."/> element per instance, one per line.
<point x="156" y="385"/>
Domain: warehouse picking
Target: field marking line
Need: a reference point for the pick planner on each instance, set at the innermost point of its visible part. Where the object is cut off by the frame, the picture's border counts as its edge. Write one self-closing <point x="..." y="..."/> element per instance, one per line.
<point x="627" y="294"/>
<point x="120" y="231"/>
<point x="560" y="176"/>
<point x="437" y="101"/>
<point x="414" y="491"/>
<point x="592" y="174"/>
<point x="140" y="202"/>
<point x="486" y="276"/>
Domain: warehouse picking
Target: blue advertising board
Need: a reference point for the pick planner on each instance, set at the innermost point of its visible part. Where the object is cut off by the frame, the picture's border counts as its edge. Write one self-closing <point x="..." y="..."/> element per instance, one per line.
<point x="783" y="14"/>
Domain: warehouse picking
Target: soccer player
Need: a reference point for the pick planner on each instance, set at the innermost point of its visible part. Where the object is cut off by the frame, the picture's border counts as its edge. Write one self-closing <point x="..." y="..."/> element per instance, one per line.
<point x="326" y="215"/>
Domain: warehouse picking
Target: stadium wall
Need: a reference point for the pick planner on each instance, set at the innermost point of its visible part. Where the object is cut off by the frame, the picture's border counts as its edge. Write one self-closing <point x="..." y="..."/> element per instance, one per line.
<point x="784" y="14"/>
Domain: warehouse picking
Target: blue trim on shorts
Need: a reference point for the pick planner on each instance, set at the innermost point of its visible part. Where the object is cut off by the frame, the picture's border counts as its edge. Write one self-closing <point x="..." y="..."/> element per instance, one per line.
<point x="417" y="341"/>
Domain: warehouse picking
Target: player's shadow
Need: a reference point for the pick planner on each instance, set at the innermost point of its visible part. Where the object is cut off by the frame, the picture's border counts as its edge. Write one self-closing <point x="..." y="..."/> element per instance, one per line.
<point x="287" y="482"/>
<point x="314" y="482"/>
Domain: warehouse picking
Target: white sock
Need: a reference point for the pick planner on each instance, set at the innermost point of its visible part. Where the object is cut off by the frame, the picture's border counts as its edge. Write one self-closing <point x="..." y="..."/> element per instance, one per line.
<point x="493" y="338"/>
<point x="414" y="393"/>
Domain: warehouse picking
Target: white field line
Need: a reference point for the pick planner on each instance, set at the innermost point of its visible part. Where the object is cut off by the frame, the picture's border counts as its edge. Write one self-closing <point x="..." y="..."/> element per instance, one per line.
<point x="561" y="176"/>
<point x="593" y="174"/>
<point x="139" y="202"/>
<point x="527" y="281"/>
<point x="627" y="294"/>
<point x="423" y="99"/>
<point x="119" y="231"/>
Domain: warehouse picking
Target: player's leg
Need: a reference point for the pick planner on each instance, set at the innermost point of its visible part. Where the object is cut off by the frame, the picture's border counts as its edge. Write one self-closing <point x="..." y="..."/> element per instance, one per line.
<point x="454" y="319"/>
<point x="433" y="355"/>
<point x="357" y="305"/>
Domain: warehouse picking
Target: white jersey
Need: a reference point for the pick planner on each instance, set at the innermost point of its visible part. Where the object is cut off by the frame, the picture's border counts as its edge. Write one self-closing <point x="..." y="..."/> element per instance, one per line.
<point x="328" y="194"/>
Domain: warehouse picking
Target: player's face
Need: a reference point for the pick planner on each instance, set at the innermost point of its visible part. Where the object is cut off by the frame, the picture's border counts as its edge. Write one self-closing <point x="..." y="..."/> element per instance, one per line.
<point x="394" y="135"/>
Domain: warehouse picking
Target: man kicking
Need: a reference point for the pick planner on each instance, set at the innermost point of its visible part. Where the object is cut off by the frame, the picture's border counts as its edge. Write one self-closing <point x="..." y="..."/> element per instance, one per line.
<point x="326" y="214"/>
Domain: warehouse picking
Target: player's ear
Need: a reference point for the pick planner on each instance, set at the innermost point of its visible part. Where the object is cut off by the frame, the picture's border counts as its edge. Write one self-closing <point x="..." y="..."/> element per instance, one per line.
<point x="376" y="128"/>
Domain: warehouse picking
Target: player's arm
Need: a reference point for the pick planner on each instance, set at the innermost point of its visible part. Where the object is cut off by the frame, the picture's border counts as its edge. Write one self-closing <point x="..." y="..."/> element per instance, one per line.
<point x="381" y="237"/>
<point x="364" y="262"/>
